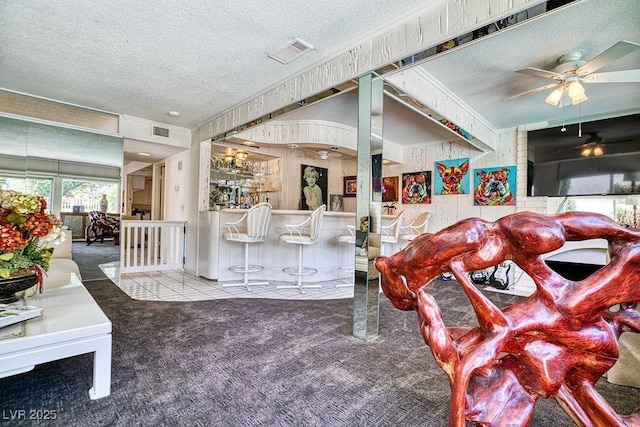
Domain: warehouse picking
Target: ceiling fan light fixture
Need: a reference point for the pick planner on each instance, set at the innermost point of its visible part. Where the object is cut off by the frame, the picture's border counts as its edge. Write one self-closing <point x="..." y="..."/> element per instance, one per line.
<point x="555" y="96"/>
<point x="598" y="151"/>
<point x="586" y="151"/>
<point x="575" y="89"/>
<point x="576" y="92"/>
<point x="575" y="100"/>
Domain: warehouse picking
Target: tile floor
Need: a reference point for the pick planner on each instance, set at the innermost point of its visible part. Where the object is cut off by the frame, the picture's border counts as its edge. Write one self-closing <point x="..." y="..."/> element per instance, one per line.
<point x="177" y="285"/>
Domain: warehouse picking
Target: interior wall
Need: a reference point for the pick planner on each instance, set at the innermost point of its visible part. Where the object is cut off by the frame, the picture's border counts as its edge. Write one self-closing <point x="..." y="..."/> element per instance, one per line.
<point x="179" y="190"/>
<point x="290" y="183"/>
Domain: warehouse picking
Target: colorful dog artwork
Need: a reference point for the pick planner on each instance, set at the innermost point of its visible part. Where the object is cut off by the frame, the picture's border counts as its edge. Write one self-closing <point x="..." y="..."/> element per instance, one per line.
<point x="495" y="186"/>
<point x="416" y="187"/>
<point x="453" y="178"/>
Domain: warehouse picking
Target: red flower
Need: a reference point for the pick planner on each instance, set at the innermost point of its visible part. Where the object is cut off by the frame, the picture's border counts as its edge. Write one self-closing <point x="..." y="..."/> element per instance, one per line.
<point x="10" y="239"/>
<point x="43" y="204"/>
<point x="38" y="225"/>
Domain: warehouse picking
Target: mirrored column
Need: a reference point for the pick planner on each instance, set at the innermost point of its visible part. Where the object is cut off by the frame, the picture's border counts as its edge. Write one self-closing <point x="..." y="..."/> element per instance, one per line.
<point x="368" y="207"/>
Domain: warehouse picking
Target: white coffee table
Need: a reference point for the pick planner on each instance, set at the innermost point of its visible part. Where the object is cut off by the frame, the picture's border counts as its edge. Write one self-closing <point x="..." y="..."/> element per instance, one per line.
<point x="72" y="324"/>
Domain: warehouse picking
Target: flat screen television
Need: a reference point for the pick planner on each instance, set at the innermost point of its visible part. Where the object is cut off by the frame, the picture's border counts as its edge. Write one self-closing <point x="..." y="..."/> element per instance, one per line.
<point x="604" y="161"/>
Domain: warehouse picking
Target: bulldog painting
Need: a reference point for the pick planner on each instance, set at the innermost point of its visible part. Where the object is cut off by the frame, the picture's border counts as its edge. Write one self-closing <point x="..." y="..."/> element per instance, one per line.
<point x="494" y="186"/>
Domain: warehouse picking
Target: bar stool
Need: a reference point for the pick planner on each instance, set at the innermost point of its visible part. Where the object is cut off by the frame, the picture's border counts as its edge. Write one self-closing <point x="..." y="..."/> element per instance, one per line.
<point x="390" y="233"/>
<point x="417" y="227"/>
<point x="256" y="223"/>
<point x="350" y="239"/>
<point x="305" y="233"/>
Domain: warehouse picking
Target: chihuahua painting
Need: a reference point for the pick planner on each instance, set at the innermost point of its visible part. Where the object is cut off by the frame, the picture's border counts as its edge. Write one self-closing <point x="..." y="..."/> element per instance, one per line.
<point x="453" y="177"/>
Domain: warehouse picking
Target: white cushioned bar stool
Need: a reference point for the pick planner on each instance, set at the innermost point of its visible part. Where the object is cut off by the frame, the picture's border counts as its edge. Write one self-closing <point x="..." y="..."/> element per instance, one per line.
<point x="303" y="234"/>
<point x="255" y="223"/>
<point x="350" y="239"/>
<point x="415" y="228"/>
<point x="390" y="233"/>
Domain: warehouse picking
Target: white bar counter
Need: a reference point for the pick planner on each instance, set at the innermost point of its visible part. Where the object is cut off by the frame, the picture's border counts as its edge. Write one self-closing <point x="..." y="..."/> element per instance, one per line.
<point x="216" y="255"/>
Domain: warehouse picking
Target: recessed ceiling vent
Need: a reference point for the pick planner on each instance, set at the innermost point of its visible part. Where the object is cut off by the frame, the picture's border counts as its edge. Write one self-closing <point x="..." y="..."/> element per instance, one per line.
<point x="291" y="51"/>
<point x="158" y="131"/>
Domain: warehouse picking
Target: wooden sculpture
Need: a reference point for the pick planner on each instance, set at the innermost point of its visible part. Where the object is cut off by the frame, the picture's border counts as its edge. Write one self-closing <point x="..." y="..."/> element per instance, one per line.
<point x="554" y="343"/>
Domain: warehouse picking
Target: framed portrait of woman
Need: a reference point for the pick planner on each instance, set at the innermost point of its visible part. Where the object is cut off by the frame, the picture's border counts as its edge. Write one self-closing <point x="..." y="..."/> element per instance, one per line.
<point x="313" y="184"/>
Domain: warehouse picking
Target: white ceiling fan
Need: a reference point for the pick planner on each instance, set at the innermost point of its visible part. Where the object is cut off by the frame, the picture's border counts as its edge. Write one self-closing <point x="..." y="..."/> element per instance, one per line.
<point x="325" y="154"/>
<point x="572" y="71"/>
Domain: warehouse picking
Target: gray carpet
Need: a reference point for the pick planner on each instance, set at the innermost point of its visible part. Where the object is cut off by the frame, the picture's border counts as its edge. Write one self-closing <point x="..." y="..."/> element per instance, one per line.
<point x="259" y="363"/>
<point x="89" y="257"/>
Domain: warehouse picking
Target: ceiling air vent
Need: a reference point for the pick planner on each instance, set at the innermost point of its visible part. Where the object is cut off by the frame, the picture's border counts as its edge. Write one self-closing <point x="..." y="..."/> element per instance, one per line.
<point x="291" y="51"/>
<point x="158" y="131"/>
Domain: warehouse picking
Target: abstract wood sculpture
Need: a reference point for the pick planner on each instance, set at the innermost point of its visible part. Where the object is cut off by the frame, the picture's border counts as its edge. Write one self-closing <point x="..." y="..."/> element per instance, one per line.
<point x="554" y="343"/>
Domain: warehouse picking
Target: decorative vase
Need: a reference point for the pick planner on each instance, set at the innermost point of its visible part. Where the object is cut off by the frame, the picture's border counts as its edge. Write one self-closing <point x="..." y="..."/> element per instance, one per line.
<point x="11" y="285"/>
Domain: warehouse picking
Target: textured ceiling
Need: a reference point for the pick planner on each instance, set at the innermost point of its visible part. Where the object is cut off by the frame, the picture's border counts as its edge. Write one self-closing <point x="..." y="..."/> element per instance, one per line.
<point x="482" y="73"/>
<point x="197" y="57"/>
<point x="203" y="57"/>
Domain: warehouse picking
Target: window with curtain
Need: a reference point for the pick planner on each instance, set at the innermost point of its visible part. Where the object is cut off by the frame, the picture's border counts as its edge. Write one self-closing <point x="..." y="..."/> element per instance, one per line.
<point x="29" y="185"/>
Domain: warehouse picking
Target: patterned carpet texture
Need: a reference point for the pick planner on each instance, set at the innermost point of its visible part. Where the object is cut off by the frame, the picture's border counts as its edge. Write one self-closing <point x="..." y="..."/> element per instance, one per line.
<point x="259" y="363"/>
<point x="89" y="257"/>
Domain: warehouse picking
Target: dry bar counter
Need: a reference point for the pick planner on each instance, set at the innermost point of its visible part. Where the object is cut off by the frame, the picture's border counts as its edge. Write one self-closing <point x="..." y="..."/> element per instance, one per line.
<point x="215" y="254"/>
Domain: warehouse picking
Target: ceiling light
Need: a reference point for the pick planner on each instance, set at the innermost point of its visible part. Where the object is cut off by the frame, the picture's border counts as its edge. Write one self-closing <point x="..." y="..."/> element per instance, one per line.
<point x="142" y="153"/>
<point x="555" y="96"/>
<point x="576" y="92"/>
<point x="598" y="151"/>
<point x="586" y="151"/>
<point x="324" y="155"/>
<point x="575" y="89"/>
<point x="580" y="97"/>
<point x="174" y="114"/>
<point x="292" y="145"/>
<point x="241" y="155"/>
<point x="228" y="159"/>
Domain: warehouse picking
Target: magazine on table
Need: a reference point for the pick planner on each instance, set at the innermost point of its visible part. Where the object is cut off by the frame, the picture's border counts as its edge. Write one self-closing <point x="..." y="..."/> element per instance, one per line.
<point x="10" y="314"/>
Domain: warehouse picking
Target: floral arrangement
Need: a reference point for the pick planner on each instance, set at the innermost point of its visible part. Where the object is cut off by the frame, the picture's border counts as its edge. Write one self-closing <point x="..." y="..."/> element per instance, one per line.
<point x="25" y="233"/>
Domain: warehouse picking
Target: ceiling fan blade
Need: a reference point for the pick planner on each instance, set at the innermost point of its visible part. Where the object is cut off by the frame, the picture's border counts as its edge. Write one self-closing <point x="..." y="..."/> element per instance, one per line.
<point x="538" y="72"/>
<point x="624" y="76"/>
<point x="529" y="92"/>
<point x="615" y="52"/>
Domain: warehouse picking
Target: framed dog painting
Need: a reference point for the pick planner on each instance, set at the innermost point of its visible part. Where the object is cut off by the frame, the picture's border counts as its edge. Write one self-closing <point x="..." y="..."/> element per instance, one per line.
<point x="494" y="186"/>
<point x="452" y="177"/>
<point x="416" y="187"/>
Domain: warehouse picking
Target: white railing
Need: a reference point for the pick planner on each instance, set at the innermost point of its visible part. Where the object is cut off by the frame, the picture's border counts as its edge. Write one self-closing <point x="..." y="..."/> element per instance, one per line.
<point x="88" y="204"/>
<point x="152" y="245"/>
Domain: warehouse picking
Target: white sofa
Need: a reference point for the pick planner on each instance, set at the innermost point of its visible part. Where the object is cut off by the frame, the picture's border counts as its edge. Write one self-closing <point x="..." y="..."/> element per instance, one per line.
<point x="626" y="369"/>
<point x="61" y="264"/>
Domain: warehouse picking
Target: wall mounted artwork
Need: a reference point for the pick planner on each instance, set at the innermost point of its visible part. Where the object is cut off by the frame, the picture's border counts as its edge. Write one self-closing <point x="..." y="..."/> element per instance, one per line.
<point x="336" y="203"/>
<point x="494" y="186"/>
<point x="314" y="187"/>
<point x="376" y="178"/>
<point x="452" y="177"/>
<point x="350" y="186"/>
<point x="390" y="189"/>
<point x="416" y="187"/>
